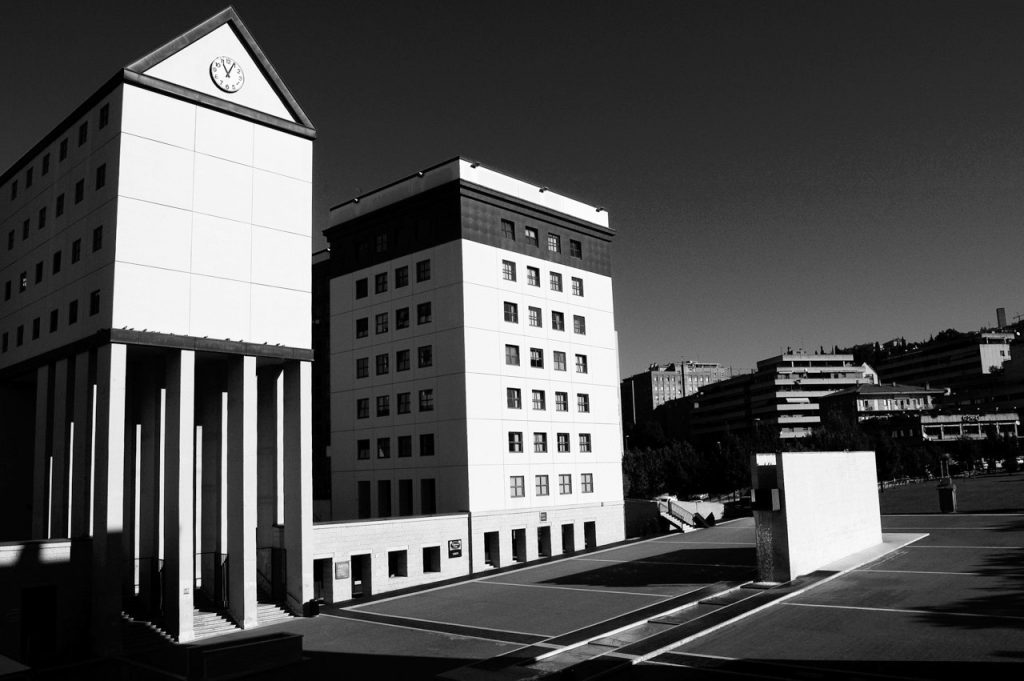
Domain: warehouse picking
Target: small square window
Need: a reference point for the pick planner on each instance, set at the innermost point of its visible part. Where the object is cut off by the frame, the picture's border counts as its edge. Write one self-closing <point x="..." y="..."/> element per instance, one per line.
<point x="581" y="364"/>
<point x="556" y="282"/>
<point x="575" y="248"/>
<point x="383" y="405"/>
<point x="531" y="236"/>
<point x="362" y="449"/>
<point x="557" y="321"/>
<point x="402" y="318"/>
<point x="423" y="270"/>
<point x="513" y="398"/>
<point x="537" y="358"/>
<point x="539" y="402"/>
<point x="363" y="408"/>
<point x="423" y="313"/>
<point x="508" y="229"/>
<point x="512" y="355"/>
<point x="381" y="322"/>
<point x="402" y="360"/>
<point x="382" y="362"/>
<point x="79" y="191"/>
<point x="541" y="485"/>
<point x="404" y="446"/>
<point x="83" y="133"/>
<point x="540" y="443"/>
<point x="404" y="403"/>
<point x="561" y="401"/>
<point x="577" y="286"/>
<point x="362" y="367"/>
<point x="563" y="442"/>
<point x="587" y="482"/>
<point x="101" y="176"/>
<point x="380" y="282"/>
<point x="512" y="313"/>
<point x="362" y="327"/>
<point x="564" y="484"/>
<point x="431" y="554"/>
<point x="583" y="402"/>
<point x="508" y="270"/>
<point x="104" y="115"/>
<point x="517" y="486"/>
<point x="515" y="441"/>
<point x="554" y="243"/>
<point x="532" y="276"/>
<point x="401" y="276"/>
<point x="383" y="447"/>
<point x="97" y="238"/>
<point x="584" y="442"/>
<point x="579" y="325"/>
<point x="362" y="288"/>
<point x="426" y="400"/>
<point x="426" y="355"/>
<point x="535" y="319"/>
<point x="427" y="444"/>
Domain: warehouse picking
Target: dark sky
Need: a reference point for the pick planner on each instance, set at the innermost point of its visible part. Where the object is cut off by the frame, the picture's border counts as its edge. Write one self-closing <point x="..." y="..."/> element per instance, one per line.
<point x="779" y="173"/>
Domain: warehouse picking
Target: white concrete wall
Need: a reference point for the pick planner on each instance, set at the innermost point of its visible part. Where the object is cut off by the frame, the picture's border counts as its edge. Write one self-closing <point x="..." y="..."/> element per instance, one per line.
<point x="214" y="225"/>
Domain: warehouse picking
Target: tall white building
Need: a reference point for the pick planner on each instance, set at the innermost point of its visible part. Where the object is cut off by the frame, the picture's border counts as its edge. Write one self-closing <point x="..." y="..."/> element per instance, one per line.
<point x="155" y="351"/>
<point x="474" y="377"/>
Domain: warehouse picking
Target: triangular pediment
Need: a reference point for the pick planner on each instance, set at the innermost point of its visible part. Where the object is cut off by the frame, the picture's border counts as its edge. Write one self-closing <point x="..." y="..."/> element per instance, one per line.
<point x="186" y="62"/>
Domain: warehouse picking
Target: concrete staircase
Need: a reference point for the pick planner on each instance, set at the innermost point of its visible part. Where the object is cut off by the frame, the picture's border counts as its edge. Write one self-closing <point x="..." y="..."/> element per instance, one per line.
<point x="207" y="623"/>
<point x="271" y="613"/>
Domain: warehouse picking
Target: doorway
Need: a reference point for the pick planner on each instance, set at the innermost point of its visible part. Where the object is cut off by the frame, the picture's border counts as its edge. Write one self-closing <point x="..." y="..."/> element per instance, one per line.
<point x="362" y="575"/>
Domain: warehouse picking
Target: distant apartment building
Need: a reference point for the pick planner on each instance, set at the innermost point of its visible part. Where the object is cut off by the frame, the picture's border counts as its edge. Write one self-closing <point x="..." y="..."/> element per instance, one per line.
<point x="951" y="362"/>
<point x="869" y="401"/>
<point x="782" y="394"/>
<point x="474" y="418"/>
<point x="642" y="393"/>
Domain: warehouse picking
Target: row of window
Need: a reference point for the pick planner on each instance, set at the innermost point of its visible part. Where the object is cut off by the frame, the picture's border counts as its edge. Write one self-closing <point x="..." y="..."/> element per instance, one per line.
<point x="514" y="400"/>
<point x="403" y="402"/>
<point x="72" y="318"/>
<point x="508" y="273"/>
<point x="62" y="152"/>
<point x="55" y="263"/>
<point x="424" y="358"/>
<point x="428" y="499"/>
<point x="536" y="319"/>
<point x="424" y="315"/>
<point x="540" y="442"/>
<point x="537" y="359"/>
<point x="404" y="446"/>
<point x="517" y="484"/>
<point x="58" y="208"/>
<point x="554" y="241"/>
<point x="380" y="280"/>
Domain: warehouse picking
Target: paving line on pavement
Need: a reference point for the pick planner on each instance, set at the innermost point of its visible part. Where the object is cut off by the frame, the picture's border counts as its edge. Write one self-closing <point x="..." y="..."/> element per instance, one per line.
<point x="923" y="572"/>
<point x="952" y="546"/>
<point x="575" y="588"/>
<point x="717" y="543"/>
<point x="944" y="529"/>
<point x="932" y="515"/>
<point x="442" y="627"/>
<point x="810" y="666"/>
<point x="906" y="611"/>
<point x="669" y="562"/>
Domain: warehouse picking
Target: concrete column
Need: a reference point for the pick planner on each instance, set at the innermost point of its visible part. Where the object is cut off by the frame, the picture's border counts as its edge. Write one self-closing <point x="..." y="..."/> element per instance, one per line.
<point x="41" y="453"/>
<point x="59" y="452"/>
<point x="111" y="370"/>
<point x="241" y="511"/>
<point x="179" y="524"/>
<point x="81" y="445"/>
<point x="150" y="479"/>
<point x="270" y="435"/>
<point x="298" y="484"/>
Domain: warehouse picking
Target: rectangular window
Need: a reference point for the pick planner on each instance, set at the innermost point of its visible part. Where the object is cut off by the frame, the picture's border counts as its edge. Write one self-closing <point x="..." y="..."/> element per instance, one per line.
<point x="4" y="342"/>
<point x="383" y="405"/>
<point x="564" y="483"/>
<point x="362" y="288"/>
<point x="563" y="442"/>
<point x="423" y="313"/>
<point x="535" y="319"/>
<point x="515" y="441"/>
<point x="101" y="176"/>
<point x="531" y="236"/>
<point x="362" y="324"/>
<point x="512" y="313"/>
<point x="20" y="336"/>
<point x="104" y="115"/>
<point x="381" y="322"/>
<point x="39" y="272"/>
<point x="579" y="325"/>
<point x="402" y="318"/>
<point x="14" y="190"/>
<point x="512" y="355"/>
<point x="532" y="276"/>
<point x="62" y="150"/>
<point x="76" y="251"/>
<point x="427" y="444"/>
<point x="557" y="321"/>
<point x="59" y="209"/>
<point x="402" y="360"/>
<point x="28" y="178"/>
<point x="384" y="502"/>
<point x="583" y="402"/>
<point x="554" y="243"/>
<point x="381" y="243"/>
<point x="426" y="355"/>
<point x="380" y="283"/>
<point x="587" y="483"/>
<point x="575" y="248"/>
<point x="427" y="400"/>
<point x="23" y="282"/>
<point x="362" y="449"/>
<point x="577" y="286"/>
<point x="517" y="486"/>
<point x="35" y="328"/>
<point x="508" y="270"/>
<point x="362" y="367"/>
<point x="363" y="498"/>
<point x="383" y="448"/>
<point x="46" y="164"/>
<point x="556" y="282"/>
<point x="25" y="229"/>
<point x="79" y="191"/>
<point x="83" y="133"/>
<point x="404" y="403"/>
<point x="584" y="442"/>
<point x="382" y="362"/>
<point x="428" y="505"/>
<point x="10" y="240"/>
<point x="42" y="217"/>
<point x="363" y="408"/>
<point x="537" y="358"/>
<point x="7" y="290"/>
<point x="423" y="270"/>
<point x="405" y="497"/>
<point x="540" y="443"/>
<point x="513" y="398"/>
<point x="398" y="564"/>
<point x="508" y="229"/>
<point x="561" y="401"/>
<point x="404" y="446"/>
<point x="581" y="364"/>
<point x="97" y="238"/>
<point x="401" y="276"/>
<point x="72" y="312"/>
<point x="539" y="402"/>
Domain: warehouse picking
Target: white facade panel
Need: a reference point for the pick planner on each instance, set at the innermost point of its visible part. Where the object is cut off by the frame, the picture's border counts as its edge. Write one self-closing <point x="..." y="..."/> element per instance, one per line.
<point x="282" y="203"/>
<point x="154" y="235"/>
<point x="221" y="248"/>
<point x="158" y="117"/>
<point x="283" y="154"/>
<point x="156" y="172"/>
<point x="280" y="316"/>
<point x="225" y="137"/>
<point x="224" y="189"/>
<point x="277" y="257"/>
<point x="151" y="299"/>
<point x="219" y="308"/>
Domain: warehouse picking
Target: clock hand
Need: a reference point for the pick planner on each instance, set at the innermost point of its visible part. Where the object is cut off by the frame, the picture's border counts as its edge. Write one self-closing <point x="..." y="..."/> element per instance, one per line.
<point x="228" y="72"/>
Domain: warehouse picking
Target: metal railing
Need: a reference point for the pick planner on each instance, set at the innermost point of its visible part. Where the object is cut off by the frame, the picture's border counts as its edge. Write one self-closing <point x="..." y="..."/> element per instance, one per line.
<point x="672" y="508"/>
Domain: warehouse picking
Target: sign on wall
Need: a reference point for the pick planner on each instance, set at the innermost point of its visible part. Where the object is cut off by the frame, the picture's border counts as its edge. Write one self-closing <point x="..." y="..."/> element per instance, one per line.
<point x="341" y="569"/>
<point x="455" y="548"/>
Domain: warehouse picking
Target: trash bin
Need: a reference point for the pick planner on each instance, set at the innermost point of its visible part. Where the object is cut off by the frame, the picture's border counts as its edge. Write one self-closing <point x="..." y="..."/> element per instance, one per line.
<point x="947" y="496"/>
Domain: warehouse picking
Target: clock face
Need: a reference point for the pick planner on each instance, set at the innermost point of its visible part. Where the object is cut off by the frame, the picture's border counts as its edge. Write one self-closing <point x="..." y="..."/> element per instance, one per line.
<point x="227" y="74"/>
